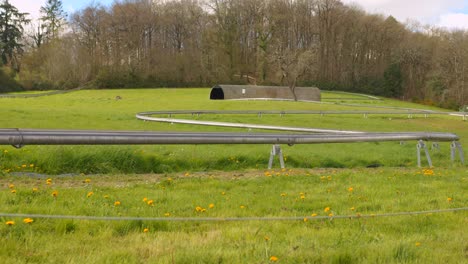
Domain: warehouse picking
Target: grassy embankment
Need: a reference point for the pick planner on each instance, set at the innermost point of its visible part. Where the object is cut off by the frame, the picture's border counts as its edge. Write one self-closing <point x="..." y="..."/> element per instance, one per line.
<point x="195" y="176"/>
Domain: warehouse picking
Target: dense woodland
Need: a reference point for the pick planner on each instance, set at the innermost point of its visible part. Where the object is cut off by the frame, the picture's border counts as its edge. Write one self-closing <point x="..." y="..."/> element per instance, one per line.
<point x="182" y="43"/>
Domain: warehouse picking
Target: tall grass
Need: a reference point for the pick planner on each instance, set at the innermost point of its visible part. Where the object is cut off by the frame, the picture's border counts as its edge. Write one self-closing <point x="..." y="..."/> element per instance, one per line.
<point x="433" y="238"/>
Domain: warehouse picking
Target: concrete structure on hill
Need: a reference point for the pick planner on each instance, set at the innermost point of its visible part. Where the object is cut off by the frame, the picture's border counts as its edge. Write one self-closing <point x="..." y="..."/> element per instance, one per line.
<point x="223" y="91"/>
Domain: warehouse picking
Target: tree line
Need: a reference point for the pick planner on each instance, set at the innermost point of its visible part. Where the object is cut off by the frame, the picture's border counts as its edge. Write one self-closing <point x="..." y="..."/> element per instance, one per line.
<point x="151" y="43"/>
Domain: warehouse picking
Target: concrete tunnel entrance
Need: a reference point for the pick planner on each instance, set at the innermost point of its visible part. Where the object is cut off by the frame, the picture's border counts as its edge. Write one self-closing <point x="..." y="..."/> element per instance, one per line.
<point x="217" y="93"/>
<point x="233" y="92"/>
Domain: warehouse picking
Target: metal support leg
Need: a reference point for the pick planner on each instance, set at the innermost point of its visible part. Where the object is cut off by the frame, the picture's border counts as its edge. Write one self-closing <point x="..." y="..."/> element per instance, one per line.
<point x="276" y="151"/>
<point x="453" y="151"/>
<point x="418" y="154"/>
<point x="460" y="152"/>
<point x="419" y="146"/>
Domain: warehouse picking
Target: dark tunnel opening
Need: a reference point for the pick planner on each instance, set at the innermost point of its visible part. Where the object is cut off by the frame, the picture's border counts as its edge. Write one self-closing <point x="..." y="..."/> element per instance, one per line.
<point x="217" y="94"/>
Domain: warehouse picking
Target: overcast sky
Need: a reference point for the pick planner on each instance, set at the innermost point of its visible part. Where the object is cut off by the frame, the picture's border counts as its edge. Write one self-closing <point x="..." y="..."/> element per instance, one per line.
<point x="446" y="13"/>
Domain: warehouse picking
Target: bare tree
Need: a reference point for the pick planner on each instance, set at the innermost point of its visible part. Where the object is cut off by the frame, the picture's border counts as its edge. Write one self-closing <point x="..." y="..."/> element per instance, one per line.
<point x="293" y="65"/>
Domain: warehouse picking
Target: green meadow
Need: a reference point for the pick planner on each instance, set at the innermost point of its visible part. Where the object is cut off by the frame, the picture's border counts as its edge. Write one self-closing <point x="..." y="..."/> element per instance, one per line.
<point x="320" y="182"/>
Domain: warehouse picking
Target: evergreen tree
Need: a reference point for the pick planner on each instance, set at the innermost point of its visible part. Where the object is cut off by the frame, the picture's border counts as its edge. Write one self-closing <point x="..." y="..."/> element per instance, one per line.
<point x="11" y="32"/>
<point x="53" y="18"/>
<point x="393" y="81"/>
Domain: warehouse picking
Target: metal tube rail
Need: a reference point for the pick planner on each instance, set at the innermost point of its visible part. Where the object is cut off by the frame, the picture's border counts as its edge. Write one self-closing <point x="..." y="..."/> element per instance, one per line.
<point x="242" y="125"/>
<point x="21" y="137"/>
<point x="302" y="112"/>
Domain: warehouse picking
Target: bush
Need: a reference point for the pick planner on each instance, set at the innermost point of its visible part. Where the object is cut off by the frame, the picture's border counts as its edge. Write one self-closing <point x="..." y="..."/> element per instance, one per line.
<point x="7" y="80"/>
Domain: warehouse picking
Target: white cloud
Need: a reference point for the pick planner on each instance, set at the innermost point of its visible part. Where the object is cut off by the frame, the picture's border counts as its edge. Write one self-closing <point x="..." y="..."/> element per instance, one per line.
<point x="425" y="11"/>
<point x="454" y="20"/>
<point x="29" y="6"/>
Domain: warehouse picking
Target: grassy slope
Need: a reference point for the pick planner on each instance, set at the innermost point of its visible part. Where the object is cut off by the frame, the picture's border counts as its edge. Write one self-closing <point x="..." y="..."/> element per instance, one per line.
<point x="99" y="110"/>
<point x="406" y="239"/>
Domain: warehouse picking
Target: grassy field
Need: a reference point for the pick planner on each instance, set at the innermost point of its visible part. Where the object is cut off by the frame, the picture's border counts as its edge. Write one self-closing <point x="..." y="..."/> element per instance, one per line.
<point x="226" y="181"/>
<point x="99" y="110"/>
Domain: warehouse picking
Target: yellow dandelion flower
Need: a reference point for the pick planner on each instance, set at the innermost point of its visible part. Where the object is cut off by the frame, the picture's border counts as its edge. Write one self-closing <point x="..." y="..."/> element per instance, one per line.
<point x="13" y="191"/>
<point x="106" y="196"/>
<point x="167" y="214"/>
<point x="417" y="244"/>
<point x="323" y="178"/>
<point x="306" y="219"/>
<point x="449" y="199"/>
<point x="11" y="186"/>
<point x="169" y="179"/>
<point x="117" y="203"/>
<point x="150" y="202"/>
<point x="352" y="208"/>
<point x="145" y="230"/>
<point x="55" y="193"/>
<point x="187" y="174"/>
<point x="350" y="189"/>
<point x="313" y="215"/>
<point x="223" y="193"/>
<point x="266" y="238"/>
<point x="330" y="215"/>
<point x="211" y="206"/>
<point x="203" y="210"/>
<point x="145" y="199"/>
<point x="198" y="208"/>
<point x="302" y="197"/>
<point x="327" y="209"/>
<point x="31" y="165"/>
<point x="10" y="223"/>
<point x="242" y="207"/>
<point x="273" y="258"/>
<point x="87" y="180"/>
<point x="329" y="178"/>
<point x="28" y="220"/>
<point x="89" y="194"/>
<point x="283" y="194"/>
<point x="49" y="181"/>
<point x="35" y="189"/>
<point x="23" y="166"/>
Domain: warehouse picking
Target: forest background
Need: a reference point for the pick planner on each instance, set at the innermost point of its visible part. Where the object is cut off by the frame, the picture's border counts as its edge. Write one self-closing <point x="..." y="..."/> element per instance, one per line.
<point x="190" y="43"/>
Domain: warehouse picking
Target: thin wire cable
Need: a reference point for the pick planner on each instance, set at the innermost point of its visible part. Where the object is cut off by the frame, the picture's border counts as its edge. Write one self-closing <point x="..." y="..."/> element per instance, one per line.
<point x="229" y="219"/>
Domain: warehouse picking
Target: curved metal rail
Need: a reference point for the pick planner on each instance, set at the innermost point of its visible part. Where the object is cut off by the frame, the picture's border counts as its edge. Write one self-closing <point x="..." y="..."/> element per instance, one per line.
<point x="403" y="111"/>
<point x="148" y="116"/>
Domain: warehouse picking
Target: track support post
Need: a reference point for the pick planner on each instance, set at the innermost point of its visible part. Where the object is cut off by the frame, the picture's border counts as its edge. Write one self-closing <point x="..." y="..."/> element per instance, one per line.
<point x="419" y="146"/>
<point x="453" y="149"/>
<point x="276" y="151"/>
